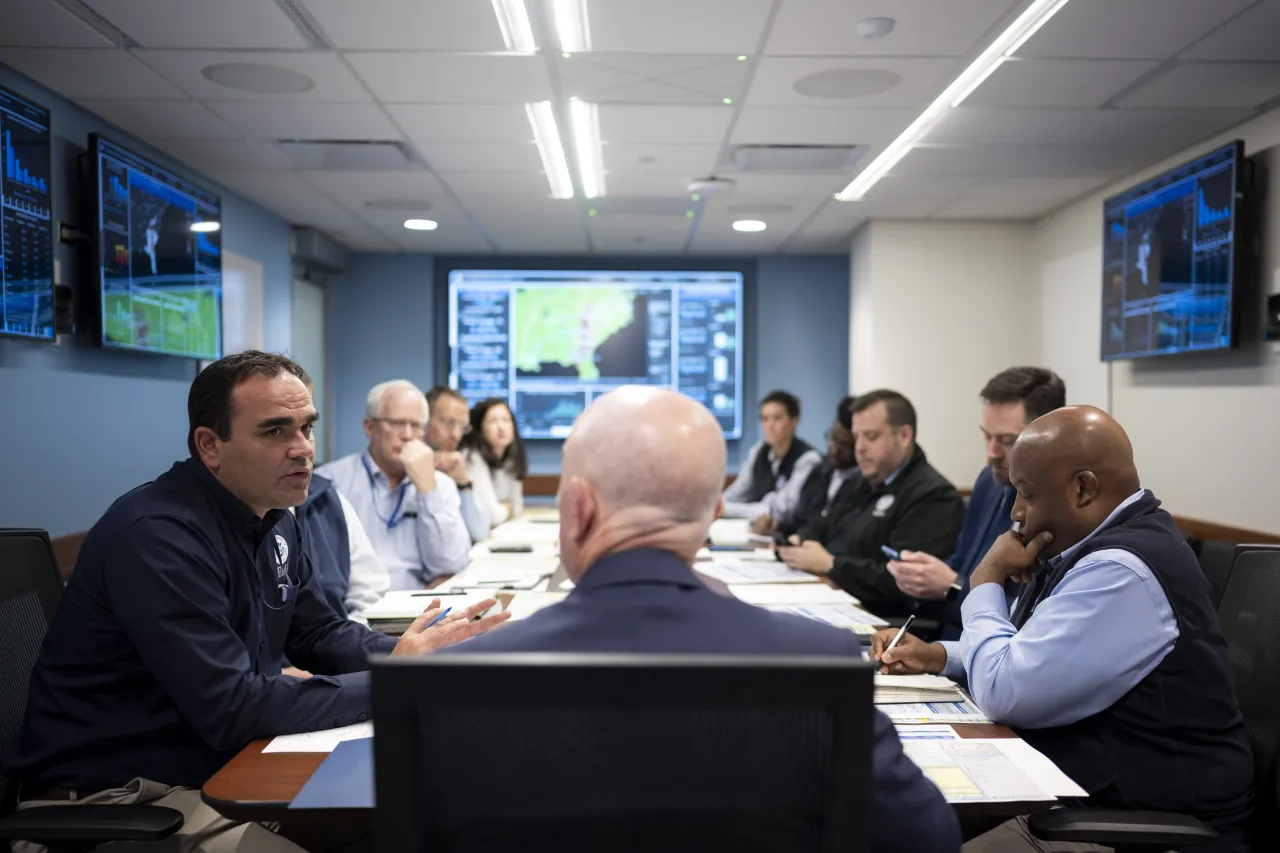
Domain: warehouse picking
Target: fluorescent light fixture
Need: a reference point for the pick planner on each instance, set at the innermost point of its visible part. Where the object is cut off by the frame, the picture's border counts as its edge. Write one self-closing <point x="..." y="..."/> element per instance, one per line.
<point x="570" y="17"/>
<point x="420" y="224"/>
<point x="585" y="119"/>
<point x="749" y="225"/>
<point x="1004" y="46"/>
<point x="206" y="227"/>
<point x="513" y="20"/>
<point x="542" y="119"/>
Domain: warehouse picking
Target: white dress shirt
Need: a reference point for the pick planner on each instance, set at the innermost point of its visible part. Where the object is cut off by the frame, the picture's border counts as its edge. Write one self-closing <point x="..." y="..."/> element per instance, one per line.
<point x="368" y="580"/>
<point x="417" y="536"/>
<point x="492" y="487"/>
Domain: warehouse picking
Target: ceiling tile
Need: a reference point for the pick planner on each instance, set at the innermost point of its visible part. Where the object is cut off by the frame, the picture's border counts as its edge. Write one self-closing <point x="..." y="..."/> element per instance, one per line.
<point x="469" y="156"/>
<point x="678" y="26"/>
<point x="920" y="81"/>
<point x="462" y="123"/>
<point x="486" y="181"/>
<point x="43" y="23"/>
<point x="525" y="240"/>
<point x="199" y="23"/>
<point x="224" y="155"/>
<point x="646" y="183"/>
<point x="1127" y="29"/>
<point x="501" y="212"/>
<point x="1026" y="160"/>
<point x="90" y="73"/>
<point x="814" y="126"/>
<point x="652" y="78"/>
<point x="453" y="236"/>
<point x="678" y="125"/>
<point x="924" y="27"/>
<point x="408" y="24"/>
<point x="1209" y="84"/>
<point x="155" y="120"/>
<point x="277" y="191"/>
<point x="654" y="157"/>
<point x="333" y="81"/>
<point x="1248" y="38"/>
<point x="790" y="186"/>
<point x="353" y="189"/>
<point x="1176" y="128"/>
<point x="454" y="78"/>
<point x="264" y="120"/>
<point x="639" y="244"/>
<point x="1057" y="83"/>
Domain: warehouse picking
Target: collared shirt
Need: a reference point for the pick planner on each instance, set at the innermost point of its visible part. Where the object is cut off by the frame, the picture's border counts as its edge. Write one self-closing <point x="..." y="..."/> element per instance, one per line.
<point x="368" y="580"/>
<point x="474" y="515"/>
<point x="1104" y="628"/>
<point x="417" y="536"/>
<point x="781" y="501"/>
<point x="492" y="488"/>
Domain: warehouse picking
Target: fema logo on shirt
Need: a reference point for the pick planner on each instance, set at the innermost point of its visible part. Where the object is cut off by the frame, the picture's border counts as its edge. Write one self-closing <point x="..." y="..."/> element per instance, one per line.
<point x="882" y="506"/>
<point x="282" y="556"/>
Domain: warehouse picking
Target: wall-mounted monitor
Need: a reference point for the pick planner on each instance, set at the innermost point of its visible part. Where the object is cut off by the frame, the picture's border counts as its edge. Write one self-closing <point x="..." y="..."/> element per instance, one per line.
<point x="550" y="341"/>
<point x="158" y="243"/>
<point x="1170" y="263"/>
<point x="26" y="219"/>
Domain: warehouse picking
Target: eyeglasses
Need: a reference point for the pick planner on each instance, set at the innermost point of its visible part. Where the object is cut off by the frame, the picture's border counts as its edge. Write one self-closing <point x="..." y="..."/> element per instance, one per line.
<point x="397" y="425"/>
<point x="463" y="427"/>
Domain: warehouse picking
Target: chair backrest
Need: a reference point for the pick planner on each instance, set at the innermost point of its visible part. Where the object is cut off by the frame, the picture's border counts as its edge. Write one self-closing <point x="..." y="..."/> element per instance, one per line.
<point x="490" y="752"/>
<point x="30" y="589"/>
<point x="1250" y="616"/>
<point x="1216" y="559"/>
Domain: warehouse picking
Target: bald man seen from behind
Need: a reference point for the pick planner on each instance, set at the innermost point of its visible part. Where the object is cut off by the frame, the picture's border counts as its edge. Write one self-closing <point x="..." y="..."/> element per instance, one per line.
<point x="640" y="485"/>
<point x="1111" y="662"/>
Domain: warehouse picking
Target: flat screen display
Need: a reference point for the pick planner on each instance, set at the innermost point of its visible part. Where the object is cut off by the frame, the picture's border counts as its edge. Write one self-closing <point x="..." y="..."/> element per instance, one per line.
<point x="549" y="342"/>
<point x="1168" y="253"/>
<point x="26" y="219"/>
<point x="160" y="251"/>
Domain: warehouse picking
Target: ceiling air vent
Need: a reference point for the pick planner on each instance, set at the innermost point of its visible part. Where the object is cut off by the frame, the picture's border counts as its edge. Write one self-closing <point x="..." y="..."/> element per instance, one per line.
<point x="345" y="155"/>
<point x="794" y="158"/>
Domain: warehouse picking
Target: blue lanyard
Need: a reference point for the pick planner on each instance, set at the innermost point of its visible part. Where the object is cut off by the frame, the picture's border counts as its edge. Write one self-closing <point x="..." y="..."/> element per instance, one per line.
<point x="373" y="496"/>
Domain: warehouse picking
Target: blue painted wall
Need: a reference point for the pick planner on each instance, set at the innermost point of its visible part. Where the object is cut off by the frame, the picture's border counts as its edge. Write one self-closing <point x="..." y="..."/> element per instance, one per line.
<point x="79" y="426"/>
<point x="797" y="337"/>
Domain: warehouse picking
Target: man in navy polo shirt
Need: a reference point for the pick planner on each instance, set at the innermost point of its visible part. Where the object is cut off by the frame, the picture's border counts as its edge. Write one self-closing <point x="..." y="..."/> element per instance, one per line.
<point x="163" y="660"/>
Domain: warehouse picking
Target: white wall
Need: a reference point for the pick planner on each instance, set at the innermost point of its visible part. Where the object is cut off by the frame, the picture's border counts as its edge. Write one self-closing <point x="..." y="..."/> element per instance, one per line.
<point x="1205" y="428"/>
<point x="949" y="303"/>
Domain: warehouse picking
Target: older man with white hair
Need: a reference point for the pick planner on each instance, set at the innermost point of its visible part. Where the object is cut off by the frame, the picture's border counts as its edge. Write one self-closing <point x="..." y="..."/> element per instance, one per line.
<point x="639" y="487"/>
<point x="410" y="510"/>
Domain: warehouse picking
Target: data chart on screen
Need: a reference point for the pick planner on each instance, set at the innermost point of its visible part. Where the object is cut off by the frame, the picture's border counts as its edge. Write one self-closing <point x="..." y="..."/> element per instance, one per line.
<point x="26" y="219"/>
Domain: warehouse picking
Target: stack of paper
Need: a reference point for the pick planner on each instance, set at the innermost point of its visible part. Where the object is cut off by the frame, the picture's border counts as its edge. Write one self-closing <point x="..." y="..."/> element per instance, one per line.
<point x="503" y="571"/>
<point x="754" y="555"/>
<point x="844" y="616"/>
<point x="999" y="770"/>
<point x="398" y="608"/>
<point x="752" y="571"/>
<point x="962" y="711"/>
<point x="525" y="604"/>
<point x="907" y="689"/>
<point x="766" y="594"/>
<point x="525" y="532"/>
<point x="321" y="741"/>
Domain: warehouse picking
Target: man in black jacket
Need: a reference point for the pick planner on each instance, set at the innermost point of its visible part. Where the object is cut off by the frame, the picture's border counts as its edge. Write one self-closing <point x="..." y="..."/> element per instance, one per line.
<point x="901" y="503"/>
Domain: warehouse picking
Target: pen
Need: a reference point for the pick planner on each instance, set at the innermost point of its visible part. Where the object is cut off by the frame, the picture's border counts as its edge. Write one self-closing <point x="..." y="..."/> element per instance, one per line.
<point x="898" y="636"/>
<point x="890" y="553"/>
<point x="445" y="612"/>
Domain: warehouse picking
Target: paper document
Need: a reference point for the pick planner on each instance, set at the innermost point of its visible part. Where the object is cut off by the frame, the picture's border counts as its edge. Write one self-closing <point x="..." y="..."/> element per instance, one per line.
<point x="399" y="605"/>
<point x="322" y="741"/>
<point x="752" y="572"/>
<point x="844" y="616"/>
<point x="906" y="733"/>
<point x="525" y="604"/>
<point x="916" y="682"/>
<point x="730" y="531"/>
<point x="733" y="558"/>
<point x="527" y="532"/>
<point x="910" y="689"/>
<point x="989" y="771"/>
<point x="963" y="711"/>
<point x="503" y="571"/>
<point x="790" y="593"/>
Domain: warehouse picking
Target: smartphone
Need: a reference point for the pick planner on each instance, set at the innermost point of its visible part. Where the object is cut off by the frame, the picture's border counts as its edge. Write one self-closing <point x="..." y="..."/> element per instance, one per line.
<point x="510" y="548"/>
<point x="780" y="539"/>
<point x="890" y="553"/>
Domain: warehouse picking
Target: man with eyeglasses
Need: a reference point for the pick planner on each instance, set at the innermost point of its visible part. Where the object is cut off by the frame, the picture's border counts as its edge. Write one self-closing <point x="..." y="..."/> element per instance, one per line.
<point x="411" y="511"/>
<point x="446" y="426"/>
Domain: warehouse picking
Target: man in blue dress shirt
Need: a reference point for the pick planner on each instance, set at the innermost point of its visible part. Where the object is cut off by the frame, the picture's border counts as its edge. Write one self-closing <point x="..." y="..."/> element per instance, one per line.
<point x="1111" y="661"/>
<point x="640" y="485"/>
<point x="1011" y="400"/>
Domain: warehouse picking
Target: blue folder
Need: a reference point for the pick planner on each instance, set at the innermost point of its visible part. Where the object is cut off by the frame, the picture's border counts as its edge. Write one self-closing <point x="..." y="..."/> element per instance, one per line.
<point x="344" y="780"/>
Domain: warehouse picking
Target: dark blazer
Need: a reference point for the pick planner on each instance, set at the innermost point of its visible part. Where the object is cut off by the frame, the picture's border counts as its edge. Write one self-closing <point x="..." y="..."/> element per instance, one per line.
<point x="651" y="601"/>
<point x="919" y="511"/>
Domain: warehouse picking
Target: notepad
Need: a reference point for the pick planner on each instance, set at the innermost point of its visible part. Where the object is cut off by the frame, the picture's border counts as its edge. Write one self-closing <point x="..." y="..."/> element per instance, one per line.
<point x="324" y="740"/>
<point x="915" y="689"/>
<point x="503" y="571"/>
<point x="402" y="604"/>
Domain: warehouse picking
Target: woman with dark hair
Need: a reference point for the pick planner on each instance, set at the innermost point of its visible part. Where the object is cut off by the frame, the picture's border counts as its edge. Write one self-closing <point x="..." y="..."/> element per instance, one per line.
<point x="495" y="459"/>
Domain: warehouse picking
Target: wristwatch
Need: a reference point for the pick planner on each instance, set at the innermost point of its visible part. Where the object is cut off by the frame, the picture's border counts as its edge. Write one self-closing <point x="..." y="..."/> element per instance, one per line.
<point x="464" y="487"/>
<point x="953" y="591"/>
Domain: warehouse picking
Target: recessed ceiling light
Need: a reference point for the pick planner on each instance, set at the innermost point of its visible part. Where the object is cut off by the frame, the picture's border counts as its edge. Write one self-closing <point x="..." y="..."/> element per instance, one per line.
<point x="206" y="227"/>
<point x="846" y="83"/>
<point x="585" y="119"/>
<point x="749" y="225"/>
<point x="1036" y="15"/>
<point x="542" y="120"/>
<point x="420" y="224"/>
<point x="875" y="28"/>
<point x="513" y="20"/>
<point x="572" y="28"/>
<point x="255" y="77"/>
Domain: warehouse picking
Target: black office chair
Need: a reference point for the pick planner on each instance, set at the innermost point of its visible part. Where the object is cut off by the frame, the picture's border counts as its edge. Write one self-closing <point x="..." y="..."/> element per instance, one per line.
<point x="622" y="752"/>
<point x="1216" y="559"/>
<point x="1249" y="613"/>
<point x="30" y="589"/>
